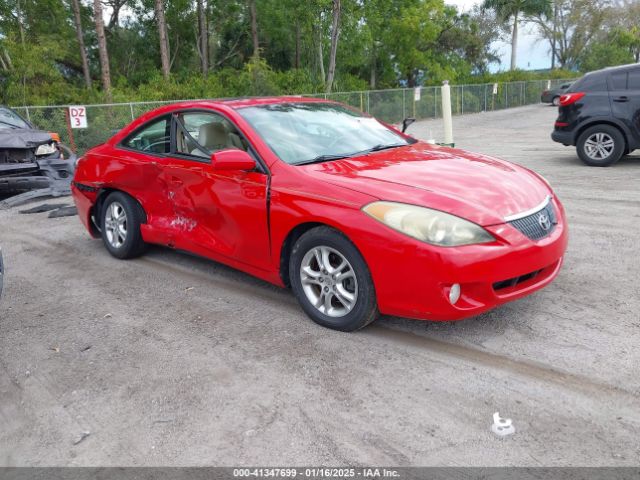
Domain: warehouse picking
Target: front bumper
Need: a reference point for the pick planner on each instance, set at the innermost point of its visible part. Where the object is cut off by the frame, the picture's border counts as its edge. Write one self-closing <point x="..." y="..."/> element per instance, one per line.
<point x="562" y="136"/>
<point x="413" y="279"/>
<point x="55" y="173"/>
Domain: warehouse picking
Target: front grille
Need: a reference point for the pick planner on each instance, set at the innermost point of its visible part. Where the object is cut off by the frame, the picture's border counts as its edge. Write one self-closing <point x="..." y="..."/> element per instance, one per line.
<point x="533" y="226"/>
<point x="512" y="282"/>
<point x="17" y="155"/>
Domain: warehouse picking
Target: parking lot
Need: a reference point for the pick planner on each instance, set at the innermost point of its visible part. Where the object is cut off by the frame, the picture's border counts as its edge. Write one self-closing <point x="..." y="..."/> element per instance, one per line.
<point x="175" y="360"/>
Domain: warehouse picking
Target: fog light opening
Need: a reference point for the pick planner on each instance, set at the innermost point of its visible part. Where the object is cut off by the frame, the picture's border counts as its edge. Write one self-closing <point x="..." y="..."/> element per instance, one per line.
<point x="454" y="293"/>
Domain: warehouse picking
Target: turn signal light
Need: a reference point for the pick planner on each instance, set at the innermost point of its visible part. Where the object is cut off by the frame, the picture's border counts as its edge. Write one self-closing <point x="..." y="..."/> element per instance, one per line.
<point x="570" y="98"/>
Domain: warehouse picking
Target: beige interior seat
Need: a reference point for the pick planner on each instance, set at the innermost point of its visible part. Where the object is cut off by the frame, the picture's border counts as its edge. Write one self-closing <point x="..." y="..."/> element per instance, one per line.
<point x="215" y="136"/>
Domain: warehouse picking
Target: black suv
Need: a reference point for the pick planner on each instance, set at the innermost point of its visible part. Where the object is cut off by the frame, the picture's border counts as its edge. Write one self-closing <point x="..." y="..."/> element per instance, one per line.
<point x="600" y="115"/>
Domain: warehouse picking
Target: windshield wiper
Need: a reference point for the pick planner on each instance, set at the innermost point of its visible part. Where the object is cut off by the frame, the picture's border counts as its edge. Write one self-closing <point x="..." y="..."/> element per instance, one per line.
<point x="322" y="158"/>
<point x="326" y="158"/>
<point x="13" y="125"/>
<point x="382" y="146"/>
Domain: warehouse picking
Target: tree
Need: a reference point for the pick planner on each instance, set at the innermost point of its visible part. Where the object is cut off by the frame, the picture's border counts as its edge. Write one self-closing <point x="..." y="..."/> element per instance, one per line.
<point x="164" y="41"/>
<point x="254" y="28"/>
<point x="102" y="48"/>
<point x="203" y="37"/>
<point x="514" y="10"/>
<point x="572" y="26"/>
<point x="75" y="5"/>
<point x="335" y="34"/>
<point x="601" y="54"/>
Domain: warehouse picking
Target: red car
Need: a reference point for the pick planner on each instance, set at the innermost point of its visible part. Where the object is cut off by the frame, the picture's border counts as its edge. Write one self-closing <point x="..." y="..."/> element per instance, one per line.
<point x="355" y="216"/>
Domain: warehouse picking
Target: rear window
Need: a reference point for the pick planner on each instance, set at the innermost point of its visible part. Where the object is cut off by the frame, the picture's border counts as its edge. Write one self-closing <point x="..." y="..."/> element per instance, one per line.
<point x="594" y="82"/>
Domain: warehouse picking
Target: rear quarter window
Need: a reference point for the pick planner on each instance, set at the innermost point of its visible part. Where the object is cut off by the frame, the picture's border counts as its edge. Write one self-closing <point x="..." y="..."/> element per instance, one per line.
<point x="618" y="81"/>
<point x="590" y="83"/>
<point x="634" y="80"/>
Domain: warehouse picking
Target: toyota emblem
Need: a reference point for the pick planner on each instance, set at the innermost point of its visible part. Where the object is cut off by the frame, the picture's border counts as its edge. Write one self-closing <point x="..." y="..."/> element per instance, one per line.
<point x="544" y="222"/>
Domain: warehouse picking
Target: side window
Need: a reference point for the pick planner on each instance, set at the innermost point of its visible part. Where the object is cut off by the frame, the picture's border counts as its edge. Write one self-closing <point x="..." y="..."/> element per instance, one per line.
<point x="154" y="137"/>
<point x="634" y="80"/>
<point x="198" y="131"/>
<point x="618" y="81"/>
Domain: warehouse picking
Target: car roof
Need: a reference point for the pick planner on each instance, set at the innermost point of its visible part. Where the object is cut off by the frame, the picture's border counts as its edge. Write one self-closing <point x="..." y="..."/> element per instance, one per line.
<point x="617" y="68"/>
<point x="242" y="102"/>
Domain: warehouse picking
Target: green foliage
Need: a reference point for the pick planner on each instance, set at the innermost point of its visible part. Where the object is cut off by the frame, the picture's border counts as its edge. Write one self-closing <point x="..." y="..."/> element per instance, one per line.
<point x="619" y="47"/>
<point x="383" y="44"/>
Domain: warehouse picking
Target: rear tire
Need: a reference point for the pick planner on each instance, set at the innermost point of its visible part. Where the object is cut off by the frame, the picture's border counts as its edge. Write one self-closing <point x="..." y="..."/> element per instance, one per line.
<point x="331" y="280"/>
<point x="600" y="145"/>
<point x="120" y="220"/>
<point x="556" y="101"/>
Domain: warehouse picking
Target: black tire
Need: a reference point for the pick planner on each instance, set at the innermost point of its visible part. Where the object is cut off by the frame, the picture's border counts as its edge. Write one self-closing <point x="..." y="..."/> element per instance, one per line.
<point x="619" y="145"/>
<point x="133" y="245"/>
<point x="555" y="101"/>
<point x="365" y="309"/>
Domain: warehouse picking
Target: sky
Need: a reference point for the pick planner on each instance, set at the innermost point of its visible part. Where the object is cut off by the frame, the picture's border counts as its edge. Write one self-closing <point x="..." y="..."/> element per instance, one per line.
<point x="532" y="53"/>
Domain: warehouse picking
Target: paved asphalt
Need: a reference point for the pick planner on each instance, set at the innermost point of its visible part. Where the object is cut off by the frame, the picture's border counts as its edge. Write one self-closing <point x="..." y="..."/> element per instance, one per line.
<point x="176" y="360"/>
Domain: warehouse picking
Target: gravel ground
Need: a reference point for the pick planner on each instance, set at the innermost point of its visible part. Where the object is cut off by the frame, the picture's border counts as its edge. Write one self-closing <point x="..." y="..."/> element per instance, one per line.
<point x="176" y="360"/>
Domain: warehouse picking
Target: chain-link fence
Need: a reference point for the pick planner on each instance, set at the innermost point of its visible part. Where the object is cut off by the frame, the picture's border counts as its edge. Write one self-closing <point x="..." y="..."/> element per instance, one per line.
<point x="391" y="106"/>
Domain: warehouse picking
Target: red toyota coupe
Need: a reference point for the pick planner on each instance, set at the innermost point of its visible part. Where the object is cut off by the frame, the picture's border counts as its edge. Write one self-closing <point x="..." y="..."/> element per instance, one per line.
<point x="355" y="216"/>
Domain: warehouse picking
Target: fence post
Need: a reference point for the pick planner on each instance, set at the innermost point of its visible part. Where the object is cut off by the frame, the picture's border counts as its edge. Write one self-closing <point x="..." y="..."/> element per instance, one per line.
<point x="446" y="113"/>
<point x="131" y="108"/>
<point x="462" y="100"/>
<point x="368" y="101"/>
<point x="485" y="97"/>
<point x="26" y="109"/>
<point x="404" y="103"/>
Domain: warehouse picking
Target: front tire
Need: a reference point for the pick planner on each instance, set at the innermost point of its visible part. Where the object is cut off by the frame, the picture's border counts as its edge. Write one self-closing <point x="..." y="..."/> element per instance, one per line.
<point x="120" y="220"/>
<point x="600" y="146"/>
<point x="331" y="281"/>
<point x="556" y="101"/>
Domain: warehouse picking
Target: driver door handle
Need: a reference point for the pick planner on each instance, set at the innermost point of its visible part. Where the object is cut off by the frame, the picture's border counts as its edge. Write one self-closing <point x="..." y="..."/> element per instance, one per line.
<point x="621" y="99"/>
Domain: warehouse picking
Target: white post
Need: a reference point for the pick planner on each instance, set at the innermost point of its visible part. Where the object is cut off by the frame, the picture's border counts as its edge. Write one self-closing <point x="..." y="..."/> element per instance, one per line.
<point x="446" y="112"/>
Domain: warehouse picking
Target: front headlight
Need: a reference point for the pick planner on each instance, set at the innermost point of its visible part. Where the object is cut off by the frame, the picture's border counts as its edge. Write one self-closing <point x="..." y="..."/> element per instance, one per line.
<point x="46" y="149"/>
<point x="427" y="225"/>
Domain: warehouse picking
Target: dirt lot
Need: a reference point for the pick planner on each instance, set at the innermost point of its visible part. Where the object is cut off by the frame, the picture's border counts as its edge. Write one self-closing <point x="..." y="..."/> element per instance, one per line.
<point x="175" y="360"/>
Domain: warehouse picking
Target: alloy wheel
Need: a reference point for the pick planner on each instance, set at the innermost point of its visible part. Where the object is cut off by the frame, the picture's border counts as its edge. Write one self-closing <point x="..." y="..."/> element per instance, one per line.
<point x="115" y="224"/>
<point x="329" y="281"/>
<point x="599" y="146"/>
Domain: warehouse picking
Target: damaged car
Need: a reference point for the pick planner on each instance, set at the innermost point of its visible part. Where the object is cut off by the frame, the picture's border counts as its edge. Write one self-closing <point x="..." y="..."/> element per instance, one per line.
<point x="32" y="159"/>
<point x="356" y="217"/>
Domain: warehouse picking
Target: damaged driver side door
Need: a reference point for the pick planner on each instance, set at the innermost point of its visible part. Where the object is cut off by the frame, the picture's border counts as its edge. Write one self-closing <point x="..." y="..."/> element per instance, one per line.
<point x="219" y="214"/>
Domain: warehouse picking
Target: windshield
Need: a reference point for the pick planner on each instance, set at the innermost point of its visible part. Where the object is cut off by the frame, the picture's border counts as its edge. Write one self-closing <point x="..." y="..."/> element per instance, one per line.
<point x="9" y="118"/>
<point x="312" y="132"/>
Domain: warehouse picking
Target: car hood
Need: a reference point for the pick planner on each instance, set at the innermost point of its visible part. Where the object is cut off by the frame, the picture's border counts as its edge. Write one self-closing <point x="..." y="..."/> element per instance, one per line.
<point x="479" y="188"/>
<point x="23" y="138"/>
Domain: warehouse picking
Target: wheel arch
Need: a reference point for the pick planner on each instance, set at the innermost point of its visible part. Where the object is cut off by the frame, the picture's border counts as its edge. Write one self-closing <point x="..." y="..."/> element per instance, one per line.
<point x="597" y="122"/>
<point x="96" y="210"/>
<point x="292" y="237"/>
<point x="287" y="246"/>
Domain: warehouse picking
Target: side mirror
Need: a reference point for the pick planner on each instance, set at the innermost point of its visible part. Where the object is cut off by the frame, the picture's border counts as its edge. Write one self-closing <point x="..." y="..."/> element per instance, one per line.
<point x="232" y="159"/>
<point x="406" y="122"/>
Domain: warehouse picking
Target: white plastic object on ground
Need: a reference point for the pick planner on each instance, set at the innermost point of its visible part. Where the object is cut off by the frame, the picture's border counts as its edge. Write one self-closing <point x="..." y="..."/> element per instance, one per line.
<point x="502" y="426"/>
